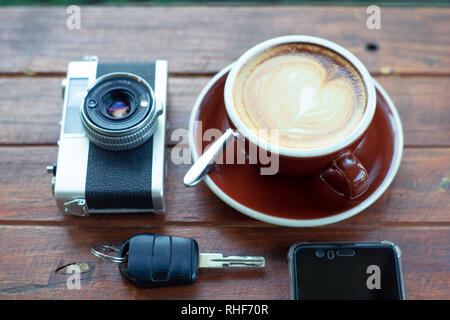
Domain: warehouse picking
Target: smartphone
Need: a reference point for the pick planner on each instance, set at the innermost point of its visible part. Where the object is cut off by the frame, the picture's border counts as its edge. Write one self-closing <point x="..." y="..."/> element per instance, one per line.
<point x="346" y="271"/>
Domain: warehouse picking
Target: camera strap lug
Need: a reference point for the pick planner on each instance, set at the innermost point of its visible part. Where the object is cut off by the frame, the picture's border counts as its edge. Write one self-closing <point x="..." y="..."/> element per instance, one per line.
<point x="77" y="207"/>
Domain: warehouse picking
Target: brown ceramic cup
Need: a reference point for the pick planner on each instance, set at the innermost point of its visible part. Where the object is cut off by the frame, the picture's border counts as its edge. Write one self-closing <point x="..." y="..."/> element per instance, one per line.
<point x="335" y="164"/>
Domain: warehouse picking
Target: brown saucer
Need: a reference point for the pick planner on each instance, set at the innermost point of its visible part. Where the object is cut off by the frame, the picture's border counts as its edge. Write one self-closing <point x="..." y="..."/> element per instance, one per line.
<point x="297" y="201"/>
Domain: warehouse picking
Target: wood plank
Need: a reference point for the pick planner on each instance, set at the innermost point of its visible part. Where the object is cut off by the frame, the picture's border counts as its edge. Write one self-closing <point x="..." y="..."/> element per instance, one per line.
<point x="422" y="103"/>
<point x="419" y="194"/>
<point x="413" y="49"/>
<point x="31" y="108"/>
<point x="205" y="39"/>
<point x="34" y="253"/>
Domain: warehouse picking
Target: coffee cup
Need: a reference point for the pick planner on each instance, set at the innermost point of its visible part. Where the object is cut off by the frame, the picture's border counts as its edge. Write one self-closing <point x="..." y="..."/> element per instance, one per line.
<point x="318" y="98"/>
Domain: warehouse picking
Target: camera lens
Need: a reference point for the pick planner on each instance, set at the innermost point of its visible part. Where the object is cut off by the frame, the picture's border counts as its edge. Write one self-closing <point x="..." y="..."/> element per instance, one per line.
<point x="320" y="253"/>
<point x="124" y="114"/>
<point x="117" y="103"/>
<point x="118" y="109"/>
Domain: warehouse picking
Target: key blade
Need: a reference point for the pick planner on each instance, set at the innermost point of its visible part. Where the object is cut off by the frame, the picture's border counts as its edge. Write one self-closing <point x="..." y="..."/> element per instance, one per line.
<point x="247" y="261"/>
<point x="217" y="260"/>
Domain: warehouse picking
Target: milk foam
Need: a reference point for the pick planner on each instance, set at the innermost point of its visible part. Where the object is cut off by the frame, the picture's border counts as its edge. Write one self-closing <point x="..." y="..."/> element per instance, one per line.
<point x="309" y="98"/>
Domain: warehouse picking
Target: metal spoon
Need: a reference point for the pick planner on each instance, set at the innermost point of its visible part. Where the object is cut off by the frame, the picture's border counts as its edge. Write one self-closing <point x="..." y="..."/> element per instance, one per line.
<point x="205" y="162"/>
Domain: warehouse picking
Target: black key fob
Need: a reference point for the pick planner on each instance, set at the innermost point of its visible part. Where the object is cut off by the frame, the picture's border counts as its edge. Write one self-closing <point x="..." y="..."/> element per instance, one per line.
<point x="158" y="261"/>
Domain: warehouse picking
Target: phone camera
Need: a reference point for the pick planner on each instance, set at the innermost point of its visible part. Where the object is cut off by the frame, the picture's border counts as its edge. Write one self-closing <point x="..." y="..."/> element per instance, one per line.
<point x="330" y="254"/>
<point x="320" y="253"/>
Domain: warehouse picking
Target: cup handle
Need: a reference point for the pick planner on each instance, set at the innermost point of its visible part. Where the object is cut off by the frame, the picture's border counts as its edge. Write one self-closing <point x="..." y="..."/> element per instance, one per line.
<point x="346" y="176"/>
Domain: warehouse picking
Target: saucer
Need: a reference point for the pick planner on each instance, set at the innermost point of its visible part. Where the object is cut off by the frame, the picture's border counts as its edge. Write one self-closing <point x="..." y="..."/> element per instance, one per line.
<point x="289" y="200"/>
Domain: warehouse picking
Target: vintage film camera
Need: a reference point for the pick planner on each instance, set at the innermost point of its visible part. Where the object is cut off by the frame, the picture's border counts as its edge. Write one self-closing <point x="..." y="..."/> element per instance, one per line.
<point x="112" y="140"/>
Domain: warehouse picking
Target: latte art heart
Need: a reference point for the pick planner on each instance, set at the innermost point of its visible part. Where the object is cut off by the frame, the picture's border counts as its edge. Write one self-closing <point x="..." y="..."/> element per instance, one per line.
<point x="311" y="101"/>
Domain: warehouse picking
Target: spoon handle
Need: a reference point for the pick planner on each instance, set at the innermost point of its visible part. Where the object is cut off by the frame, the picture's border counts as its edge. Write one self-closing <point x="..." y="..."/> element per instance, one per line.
<point x="204" y="163"/>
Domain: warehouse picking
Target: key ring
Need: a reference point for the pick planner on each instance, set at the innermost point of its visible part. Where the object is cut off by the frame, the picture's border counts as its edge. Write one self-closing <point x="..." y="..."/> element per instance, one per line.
<point x="101" y="251"/>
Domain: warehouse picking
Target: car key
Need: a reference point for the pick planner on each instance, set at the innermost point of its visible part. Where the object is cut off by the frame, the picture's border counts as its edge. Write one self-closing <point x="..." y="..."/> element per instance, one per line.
<point x="153" y="260"/>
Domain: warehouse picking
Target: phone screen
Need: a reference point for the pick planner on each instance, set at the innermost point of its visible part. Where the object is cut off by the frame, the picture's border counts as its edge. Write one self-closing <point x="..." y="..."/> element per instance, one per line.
<point x="369" y="271"/>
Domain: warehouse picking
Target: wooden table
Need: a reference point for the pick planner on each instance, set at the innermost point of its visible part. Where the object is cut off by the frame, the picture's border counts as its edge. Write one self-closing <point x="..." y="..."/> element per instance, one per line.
<point x="412" y="62"/>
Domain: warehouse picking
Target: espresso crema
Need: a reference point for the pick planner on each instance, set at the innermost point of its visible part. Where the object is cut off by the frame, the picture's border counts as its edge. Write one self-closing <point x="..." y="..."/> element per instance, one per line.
<point x="312" y="95"/>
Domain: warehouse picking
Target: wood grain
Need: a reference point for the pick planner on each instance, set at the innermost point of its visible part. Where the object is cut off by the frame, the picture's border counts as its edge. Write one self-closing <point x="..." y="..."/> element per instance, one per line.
<point x="34" y="253"/>
<point x="205" y="39"/>
<point x="412" y="63"/>
<point x="419" y="194"/>
<point x="33" y="118"/>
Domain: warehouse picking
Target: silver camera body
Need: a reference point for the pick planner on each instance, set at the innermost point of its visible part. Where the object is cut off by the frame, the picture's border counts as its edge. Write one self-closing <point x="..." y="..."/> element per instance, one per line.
<point x="111" y="147"/>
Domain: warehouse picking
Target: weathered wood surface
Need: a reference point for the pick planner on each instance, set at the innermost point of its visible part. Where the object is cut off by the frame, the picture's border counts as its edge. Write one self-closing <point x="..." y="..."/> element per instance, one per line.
<point x="35" y="47"/>
<point x="419" y="194"/>
<point x="204" y="39"/>
<point x="422" y="103"/>
<point x="35" y="253"/>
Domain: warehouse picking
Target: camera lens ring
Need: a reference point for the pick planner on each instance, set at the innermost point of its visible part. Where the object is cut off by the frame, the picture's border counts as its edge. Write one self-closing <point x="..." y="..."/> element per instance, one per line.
<point x="118" y="143"/>
<point x="127" y="136"/>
